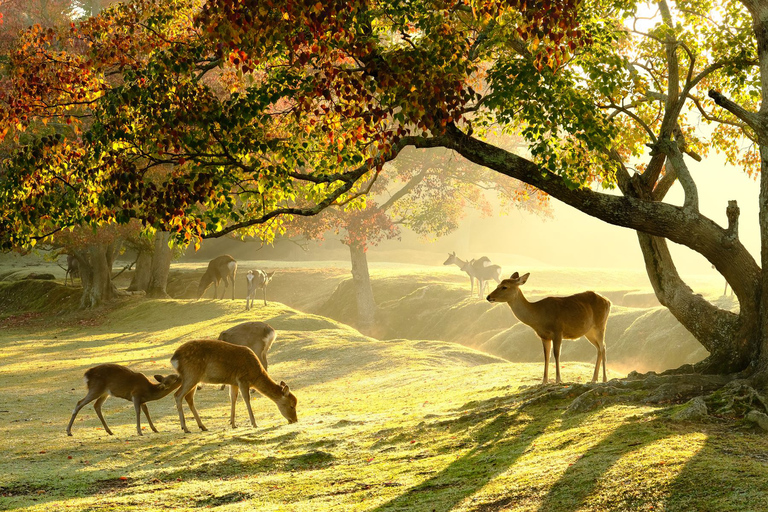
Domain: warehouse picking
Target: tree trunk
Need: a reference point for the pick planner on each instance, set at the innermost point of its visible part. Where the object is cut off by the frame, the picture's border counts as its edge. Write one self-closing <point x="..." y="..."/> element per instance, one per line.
<point x="361" y="279"/>
<point x="142" y="275"/>
<point x="730" y="338"/>
<point x="95" y="265"/>
<point x="161" y="266"/>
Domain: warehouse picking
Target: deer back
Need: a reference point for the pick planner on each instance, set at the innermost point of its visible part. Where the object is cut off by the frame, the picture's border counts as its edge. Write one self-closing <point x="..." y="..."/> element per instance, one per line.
<point x="258" y="336"/>
<point x="123" y="382"/>
<point x="217" y="362"/>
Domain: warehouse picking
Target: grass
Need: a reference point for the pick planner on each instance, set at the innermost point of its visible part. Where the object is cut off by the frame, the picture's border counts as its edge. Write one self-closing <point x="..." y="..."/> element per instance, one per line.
<point x="383" y="426"/>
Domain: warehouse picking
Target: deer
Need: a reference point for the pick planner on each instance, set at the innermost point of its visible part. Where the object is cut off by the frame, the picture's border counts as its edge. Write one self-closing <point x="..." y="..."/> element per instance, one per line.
<point x="258" y="336"/>
<point x="480" y="269"/>
<point x="256" y="280"/>
<point x="222" y="267"/>
<point x="72" y="270"/>
<point x="557" y="318"/>
<point x="219" y="362"/>
<point x="116" y="380"/>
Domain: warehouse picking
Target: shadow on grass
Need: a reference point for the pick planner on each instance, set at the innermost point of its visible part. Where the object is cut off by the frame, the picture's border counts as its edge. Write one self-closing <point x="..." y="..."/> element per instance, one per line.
<point x="724" y="475"/>
<point x="503" y="437"/>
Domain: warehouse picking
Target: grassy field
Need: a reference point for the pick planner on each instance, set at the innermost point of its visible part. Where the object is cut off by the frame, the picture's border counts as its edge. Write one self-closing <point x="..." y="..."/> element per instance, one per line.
<point x="383" y="425"/>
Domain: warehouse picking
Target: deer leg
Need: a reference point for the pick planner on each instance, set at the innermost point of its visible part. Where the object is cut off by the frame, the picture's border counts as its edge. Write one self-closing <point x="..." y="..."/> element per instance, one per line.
<point x="97" y="408"/>
<point x="149" y="420"/>
<point x="547" y="349"/>
<point x="265" y="295"/>
<point x="89" y="397"/>
<point x="179" y="395"/>
<point x="556" y="344"/>
<point x="137" y="406"/>
<point x="233" y="400"/>
<point x="263" y="359"/>
<point x="596" y="338"/>
<point x="471" y="286"/>
<point x="190" y="398"/>
<point x="244" y="389"/>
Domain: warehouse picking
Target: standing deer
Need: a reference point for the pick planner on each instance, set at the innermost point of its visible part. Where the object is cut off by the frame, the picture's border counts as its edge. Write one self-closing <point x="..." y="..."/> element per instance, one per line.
<point x="119" y="381"/>
<point x="481" y="270"/>
<point x="257" y="336"/>
<point x="72" y="270"/>
<point x="558" y="318"/>
<point x="221" y="267"/>
<point x="219" y="362"/>
<point x="256" y="280"/>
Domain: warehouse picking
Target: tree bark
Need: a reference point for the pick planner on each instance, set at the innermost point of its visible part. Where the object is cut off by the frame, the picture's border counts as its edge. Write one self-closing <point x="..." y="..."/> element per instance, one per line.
<point x="361" y="279"/>
<point x="142" y="274"/>
<point x="95" y="264"/>
<point x="161" y="266"/>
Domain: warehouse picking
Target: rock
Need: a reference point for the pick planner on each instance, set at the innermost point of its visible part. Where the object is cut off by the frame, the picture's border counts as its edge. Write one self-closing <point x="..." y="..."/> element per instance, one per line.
<point x="758" y="418"/>
<point x="693" y="410"/>
<point x="45" y="277"/>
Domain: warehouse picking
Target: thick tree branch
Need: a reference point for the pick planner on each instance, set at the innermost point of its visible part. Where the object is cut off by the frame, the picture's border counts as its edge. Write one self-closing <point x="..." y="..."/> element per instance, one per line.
<point x="751" y="118"/>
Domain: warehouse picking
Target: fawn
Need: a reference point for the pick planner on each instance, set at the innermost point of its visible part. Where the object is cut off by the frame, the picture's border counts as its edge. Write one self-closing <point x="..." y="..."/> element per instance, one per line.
<point x="112" y="379"/>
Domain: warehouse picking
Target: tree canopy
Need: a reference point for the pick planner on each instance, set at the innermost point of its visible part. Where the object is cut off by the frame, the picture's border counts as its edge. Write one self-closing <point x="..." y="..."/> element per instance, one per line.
<point x="208" y="118"/>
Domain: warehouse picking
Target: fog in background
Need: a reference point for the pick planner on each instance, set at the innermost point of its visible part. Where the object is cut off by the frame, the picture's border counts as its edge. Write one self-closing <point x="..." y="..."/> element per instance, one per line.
<point x="517" y="239"/>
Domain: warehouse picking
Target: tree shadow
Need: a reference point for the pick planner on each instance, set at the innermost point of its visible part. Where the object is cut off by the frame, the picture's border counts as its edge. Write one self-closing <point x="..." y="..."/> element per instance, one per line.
<point x="495" y="451"/>
<point x="725" y="474"/>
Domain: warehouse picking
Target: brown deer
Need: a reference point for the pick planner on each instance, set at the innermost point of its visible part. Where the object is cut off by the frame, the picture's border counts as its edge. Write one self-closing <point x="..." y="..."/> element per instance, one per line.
<point x="119" y="381"/>
<point x="219" y="362"/>
<point x="222" y="267"/>
<point x="257" y="336"/>
<point x="558" y="318"/>
<point x="480" y="269"/>
<point x="256" y="280"/>
<point x="72" y="270"/>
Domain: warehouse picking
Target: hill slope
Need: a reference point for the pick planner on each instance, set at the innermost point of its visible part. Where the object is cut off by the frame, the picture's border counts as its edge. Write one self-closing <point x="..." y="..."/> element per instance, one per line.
<point x="383" y="425"/>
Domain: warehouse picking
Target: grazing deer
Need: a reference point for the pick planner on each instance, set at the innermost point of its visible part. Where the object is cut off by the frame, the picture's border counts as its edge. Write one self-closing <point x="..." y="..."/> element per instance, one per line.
<point x="257" y="336"/>
<point x="222" y="267"/>
<point x="481" y="270"/>
<point x="119" y="381"/>
<point x="219" y="362"/>
<point x="558" y="318"/>
<point x="256" y="280"/>
<point x="72" y="270"/>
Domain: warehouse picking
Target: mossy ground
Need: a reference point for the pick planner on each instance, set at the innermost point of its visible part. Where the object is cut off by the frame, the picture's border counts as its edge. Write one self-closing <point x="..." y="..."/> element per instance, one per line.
<point x="395" y="425"/>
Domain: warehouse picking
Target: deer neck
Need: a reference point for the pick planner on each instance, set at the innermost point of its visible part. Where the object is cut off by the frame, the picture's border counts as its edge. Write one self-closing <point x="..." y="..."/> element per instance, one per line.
<point x="158" y="391"/>
<point x="269" y="388"/>
<point x="523" y="310"/>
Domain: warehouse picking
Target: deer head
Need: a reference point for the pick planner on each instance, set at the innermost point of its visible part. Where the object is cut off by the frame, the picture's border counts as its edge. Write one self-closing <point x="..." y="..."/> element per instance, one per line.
<point x="287" y="404"/>
<point x="509" y="289"/>
<point x="451" y="259"/>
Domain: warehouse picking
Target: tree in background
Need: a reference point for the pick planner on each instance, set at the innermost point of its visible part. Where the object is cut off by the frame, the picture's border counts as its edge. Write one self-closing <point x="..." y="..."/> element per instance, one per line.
<point x="320" y="94"/>
<point x="426" y="191"/>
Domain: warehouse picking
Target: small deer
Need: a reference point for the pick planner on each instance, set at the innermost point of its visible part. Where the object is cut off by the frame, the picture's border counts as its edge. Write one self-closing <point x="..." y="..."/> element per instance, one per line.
<point x="219" y="362"/>
<point x="72" y="270"/>
<point x="222" y="267"/>
<point x="480" y="269"/>
<point x="257" y="336"/>
<point x="256" y="280"/>
<point x="112" y="379"/>
<point x="558" y="318"/>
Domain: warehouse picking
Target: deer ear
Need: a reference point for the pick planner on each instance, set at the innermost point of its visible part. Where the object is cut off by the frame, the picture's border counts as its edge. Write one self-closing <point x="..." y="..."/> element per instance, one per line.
<point x="270" y="274"/>
<point x="159" y="378"/>
<point x="284" y="388"/>
<point x="524" y="278"/>
<point x="514" y="276"/>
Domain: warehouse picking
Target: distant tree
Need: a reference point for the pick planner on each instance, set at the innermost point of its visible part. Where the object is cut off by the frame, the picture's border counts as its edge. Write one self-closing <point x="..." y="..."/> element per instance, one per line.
<point x="426" y="191"/>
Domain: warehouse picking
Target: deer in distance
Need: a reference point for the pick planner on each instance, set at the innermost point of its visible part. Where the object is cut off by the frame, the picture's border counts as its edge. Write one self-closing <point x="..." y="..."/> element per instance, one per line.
<point x="480" y="269"/>
<point x="219" y="362"/>
<point x="557" y="318"/>
<point x="116" y="380"/>
<point x="222" y="267"/>
<point x="256" y="280"/>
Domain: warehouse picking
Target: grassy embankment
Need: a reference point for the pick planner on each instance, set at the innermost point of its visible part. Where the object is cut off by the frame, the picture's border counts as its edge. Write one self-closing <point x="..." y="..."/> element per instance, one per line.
<point x="394" y="425"/>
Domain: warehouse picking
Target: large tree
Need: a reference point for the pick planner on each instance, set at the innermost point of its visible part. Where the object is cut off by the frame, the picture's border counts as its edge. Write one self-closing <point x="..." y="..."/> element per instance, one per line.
<point x="266" y="110"/>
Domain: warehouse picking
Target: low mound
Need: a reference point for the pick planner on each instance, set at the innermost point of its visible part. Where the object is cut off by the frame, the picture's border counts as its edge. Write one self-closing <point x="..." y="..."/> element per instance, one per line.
<point x="36" y="296"/>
